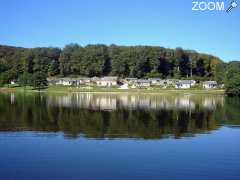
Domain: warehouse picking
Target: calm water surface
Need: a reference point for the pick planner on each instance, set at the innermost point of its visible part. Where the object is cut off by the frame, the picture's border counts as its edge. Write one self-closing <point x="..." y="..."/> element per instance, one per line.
<point x="124" y="136"/>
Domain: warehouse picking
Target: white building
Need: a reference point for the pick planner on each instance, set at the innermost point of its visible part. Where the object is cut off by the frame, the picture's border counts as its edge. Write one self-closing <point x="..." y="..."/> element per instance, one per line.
<point x="185" y="84"/>
<point x="68" y="81"/>
<point x="65" y="82"/>
<point x="107" y="81"/>
<point x="130" y="80"/>
<point x="124" y="86"/>
<point x="142" y="83"/>
<point x="168" y="82"/>
<point x="155" y="81"/>
<point x="13" y="82"/>
<point x="209" y="84"/>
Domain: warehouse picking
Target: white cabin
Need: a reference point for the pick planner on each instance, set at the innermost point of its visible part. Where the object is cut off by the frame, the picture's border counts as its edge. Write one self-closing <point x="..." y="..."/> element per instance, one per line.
<point x="155" y="81"/>
<point x="142" y="83"/>
<point x="209" y="84"/>
<point x="13" y="82"/>
<point x="185" y="84"/>
<point x="107" y="81"/>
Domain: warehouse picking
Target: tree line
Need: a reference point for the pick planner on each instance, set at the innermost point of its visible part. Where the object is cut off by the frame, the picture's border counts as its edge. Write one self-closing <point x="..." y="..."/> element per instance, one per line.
<point x="32" y="65"/>
<point x="229" y="75"/>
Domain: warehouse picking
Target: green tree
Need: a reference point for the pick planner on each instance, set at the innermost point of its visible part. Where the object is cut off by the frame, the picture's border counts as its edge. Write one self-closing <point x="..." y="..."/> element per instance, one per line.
<point x="232" y="81"/>
<point x="183" y="62"/>
<point x="25" y="79"/>
<point x="220" y="75"/>
<point x="200" y="68"/>
<point x="53" y="69"/>
<point x="102" y="60"/>
<point x="39" y="80"/>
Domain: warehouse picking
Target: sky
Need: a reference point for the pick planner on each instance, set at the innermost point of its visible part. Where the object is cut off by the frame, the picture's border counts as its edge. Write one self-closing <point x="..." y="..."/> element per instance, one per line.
<point x="166" y="23"/>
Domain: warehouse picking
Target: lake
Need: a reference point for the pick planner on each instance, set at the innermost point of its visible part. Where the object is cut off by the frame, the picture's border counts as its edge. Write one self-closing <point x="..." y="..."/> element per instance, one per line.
<point x="119" y="136"/>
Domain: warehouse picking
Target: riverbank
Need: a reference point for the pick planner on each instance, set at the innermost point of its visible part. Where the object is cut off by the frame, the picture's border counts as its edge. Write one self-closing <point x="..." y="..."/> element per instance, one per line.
<point x="66" y="89"/>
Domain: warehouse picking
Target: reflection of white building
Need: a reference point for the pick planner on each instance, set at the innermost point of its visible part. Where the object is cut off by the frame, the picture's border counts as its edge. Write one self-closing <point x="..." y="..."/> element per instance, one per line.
<point x="209" y="103"/>
<point x="130" y="101"/>
<point x="105" y="103"/>
<point x="184" y="103"/>
<point x="12" y="98"/>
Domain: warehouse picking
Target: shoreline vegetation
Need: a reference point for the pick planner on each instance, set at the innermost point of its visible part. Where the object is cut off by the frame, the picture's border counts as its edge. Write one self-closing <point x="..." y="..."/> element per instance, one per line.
<point x="33" y="66"/>
<point x="112" y="90"/>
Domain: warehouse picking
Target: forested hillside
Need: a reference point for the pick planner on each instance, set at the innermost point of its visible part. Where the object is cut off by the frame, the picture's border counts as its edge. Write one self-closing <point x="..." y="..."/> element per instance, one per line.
<point x="102" y="60"/>
<point x="229" y="74"/>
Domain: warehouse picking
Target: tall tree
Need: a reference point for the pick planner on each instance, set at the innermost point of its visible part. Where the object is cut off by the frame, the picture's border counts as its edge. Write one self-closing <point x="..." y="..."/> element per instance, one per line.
<point x="200" y="68"/>
<point x="232" y="81"/>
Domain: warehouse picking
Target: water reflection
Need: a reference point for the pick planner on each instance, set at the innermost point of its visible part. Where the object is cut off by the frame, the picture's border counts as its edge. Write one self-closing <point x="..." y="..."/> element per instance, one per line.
<point x="133" y="102"/>
<point x="117" y="116"/>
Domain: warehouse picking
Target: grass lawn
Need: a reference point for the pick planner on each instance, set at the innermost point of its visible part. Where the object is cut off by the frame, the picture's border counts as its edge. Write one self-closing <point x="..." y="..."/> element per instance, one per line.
<point x="69" y="89"/>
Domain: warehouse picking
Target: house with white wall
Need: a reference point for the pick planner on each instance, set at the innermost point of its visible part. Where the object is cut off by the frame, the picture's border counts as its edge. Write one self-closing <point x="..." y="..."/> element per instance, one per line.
<point x="142" y="83"/>
<point x="185" y="84"/>
<point x="155" y="81"/>
<point x="209" y="84"/>
<point x="107" y="81"/>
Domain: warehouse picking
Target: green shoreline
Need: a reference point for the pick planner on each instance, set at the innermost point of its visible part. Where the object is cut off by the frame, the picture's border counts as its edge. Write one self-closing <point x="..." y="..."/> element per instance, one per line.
<point x="64" y="89"/>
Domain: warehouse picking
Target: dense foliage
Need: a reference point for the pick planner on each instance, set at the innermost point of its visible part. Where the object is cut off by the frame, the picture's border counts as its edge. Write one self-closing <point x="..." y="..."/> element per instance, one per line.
<point x="100" y="60"/>
<point x="229" y="74"/>
<point x="33" y="65"/>
<point x="28" y="66"/>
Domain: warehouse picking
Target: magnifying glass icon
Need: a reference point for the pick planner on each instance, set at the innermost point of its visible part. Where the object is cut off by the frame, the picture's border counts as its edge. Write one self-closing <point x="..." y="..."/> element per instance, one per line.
<point x="233" y="4"/>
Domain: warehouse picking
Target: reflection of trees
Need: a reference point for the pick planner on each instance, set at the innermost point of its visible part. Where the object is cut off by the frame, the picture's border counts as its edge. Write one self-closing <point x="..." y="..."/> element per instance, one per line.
<point x="111" y="101"/>
<point x="232" y="110"/>
<point x="36" y="113"/>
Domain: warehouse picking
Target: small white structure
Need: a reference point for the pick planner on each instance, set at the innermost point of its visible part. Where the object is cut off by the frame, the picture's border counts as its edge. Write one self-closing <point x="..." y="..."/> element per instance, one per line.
<point x="130" y="80"/>
<point x="124" y="86"/>
<point x="142" y="83"/>
<point x="163" y="83"/>
<point x="84" y="80"/>
<point x="171" y="82"/>
<point x="64" y="82"/>
<point x="155" y="81"/>
<point x="185" y="84"/>
<point x="221" y="85"/>
<point x="107" y="81"/>
<point x="209" y="84"/>
<point x="13" y="82"/>
<point x="68" y="81"/>
<point x="168" y="82"/>
<point x="94" y="79"/>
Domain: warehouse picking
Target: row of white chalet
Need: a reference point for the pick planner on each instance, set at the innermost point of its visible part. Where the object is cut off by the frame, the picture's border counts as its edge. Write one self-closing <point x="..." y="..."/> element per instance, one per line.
<point x="113" y="81"/>
<point x="107" y="81"/>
